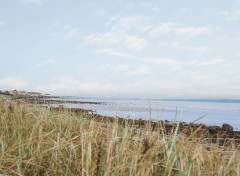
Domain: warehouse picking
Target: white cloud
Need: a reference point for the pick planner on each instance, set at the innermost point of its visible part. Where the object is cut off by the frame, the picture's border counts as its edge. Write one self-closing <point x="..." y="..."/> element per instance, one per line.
<point x="179" y="30"/>
<point x="231" y="16"/>
<point x="200" y="85"/>
<point x="127" y="69"/>
<point x="138" y="23"/>
<point x="72" y="33"/>
<point x="108" y="38"/>
<point x="118" y="33"/>
<point x="113" y="52"/>
<point x="173" y="63"/>
<point x="204" y="77"/>
<point x="189" y="48"/>
<point x="38" y="2"/>
<point x="163" y="61"/>
<point x="139" y="71"/>
<point x="45" y="62"/>
<point x="70" y="86"/>
<point x="136" y="43"/>
<point x="10" y="83"/>
<point x="1" y="23"/>
<point x="120" y="28"/>
<point x="162" y="29"/>
<point x="103" y="39"/>
<point x="211" y="62"/>
<point x="193" y="31"/>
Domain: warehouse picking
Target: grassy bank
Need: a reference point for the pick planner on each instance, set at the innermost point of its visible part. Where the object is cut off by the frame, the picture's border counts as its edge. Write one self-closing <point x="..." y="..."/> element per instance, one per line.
<point x="40" y="141"/>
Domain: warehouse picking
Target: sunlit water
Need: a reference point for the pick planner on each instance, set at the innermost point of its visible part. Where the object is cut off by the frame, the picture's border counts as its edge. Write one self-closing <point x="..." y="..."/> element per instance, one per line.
<point x="215" y="113"/>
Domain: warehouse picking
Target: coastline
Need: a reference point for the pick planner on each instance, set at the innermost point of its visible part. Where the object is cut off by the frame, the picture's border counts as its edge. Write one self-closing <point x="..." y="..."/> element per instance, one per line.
<point x="44" y="140"/>
<point x="224" y="133"/>
<point x="213" y="132"/>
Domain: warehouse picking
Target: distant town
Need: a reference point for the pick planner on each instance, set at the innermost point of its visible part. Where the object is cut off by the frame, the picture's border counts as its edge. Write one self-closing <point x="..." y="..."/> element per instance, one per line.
<point x="24" y="93"/>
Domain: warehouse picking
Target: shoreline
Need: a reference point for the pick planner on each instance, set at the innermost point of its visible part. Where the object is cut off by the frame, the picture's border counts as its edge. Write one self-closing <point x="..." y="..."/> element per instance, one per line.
<point x="46" y="102"/>
<point x="222" y="135"/>
<point x="72" y="140"/>
<point x="213" y="131"/>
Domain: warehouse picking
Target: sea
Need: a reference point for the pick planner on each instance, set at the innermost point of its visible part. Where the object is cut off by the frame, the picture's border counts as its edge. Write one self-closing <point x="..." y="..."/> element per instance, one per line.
<point x="209" y="112"/>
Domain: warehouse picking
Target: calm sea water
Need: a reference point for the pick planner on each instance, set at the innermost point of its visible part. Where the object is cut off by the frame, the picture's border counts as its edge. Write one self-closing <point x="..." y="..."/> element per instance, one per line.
<point x="215" y="113"/>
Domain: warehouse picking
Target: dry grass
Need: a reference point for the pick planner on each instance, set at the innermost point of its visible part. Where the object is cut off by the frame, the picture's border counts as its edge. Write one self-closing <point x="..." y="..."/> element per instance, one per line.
<point x="37" y="141"/>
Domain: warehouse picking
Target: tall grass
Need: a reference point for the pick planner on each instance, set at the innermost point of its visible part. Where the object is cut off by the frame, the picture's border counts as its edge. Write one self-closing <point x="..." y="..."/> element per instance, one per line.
<point x="40" y="141"/>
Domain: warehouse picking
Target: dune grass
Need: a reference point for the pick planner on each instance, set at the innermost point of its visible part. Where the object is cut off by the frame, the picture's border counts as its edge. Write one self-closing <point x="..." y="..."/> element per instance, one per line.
<point x="40" y="141"/>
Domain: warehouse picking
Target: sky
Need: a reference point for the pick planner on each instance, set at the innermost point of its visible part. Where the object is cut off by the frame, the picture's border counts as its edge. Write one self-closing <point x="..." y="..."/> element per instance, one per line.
<point x="121" y="48"/>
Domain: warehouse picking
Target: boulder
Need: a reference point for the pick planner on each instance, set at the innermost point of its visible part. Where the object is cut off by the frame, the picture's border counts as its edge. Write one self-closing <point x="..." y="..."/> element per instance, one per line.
<point x="212" y="129"/>
<point x="227" y="127"/>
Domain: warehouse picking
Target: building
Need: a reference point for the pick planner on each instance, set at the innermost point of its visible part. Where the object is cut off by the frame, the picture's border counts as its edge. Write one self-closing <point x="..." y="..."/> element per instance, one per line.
<point x="22" y="92"/>
<point x="13" y="92"/>
<point x="34" y="94"/>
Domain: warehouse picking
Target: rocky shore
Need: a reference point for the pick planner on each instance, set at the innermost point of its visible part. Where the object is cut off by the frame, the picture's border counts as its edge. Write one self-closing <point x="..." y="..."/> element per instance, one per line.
<point x="224" y="135"/>
<point x="50" y="100"/>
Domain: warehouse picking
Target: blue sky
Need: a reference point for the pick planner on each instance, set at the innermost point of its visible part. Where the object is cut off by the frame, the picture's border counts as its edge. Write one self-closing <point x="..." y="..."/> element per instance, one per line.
<point x="120" y="48"/>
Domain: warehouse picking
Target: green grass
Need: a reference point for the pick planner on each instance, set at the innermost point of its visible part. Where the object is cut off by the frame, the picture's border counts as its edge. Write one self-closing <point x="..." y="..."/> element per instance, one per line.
<point x="40" y="141"/>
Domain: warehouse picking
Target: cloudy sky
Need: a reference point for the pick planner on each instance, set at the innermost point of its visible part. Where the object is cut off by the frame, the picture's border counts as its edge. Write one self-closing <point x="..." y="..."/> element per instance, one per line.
<point x="121" y="48"/>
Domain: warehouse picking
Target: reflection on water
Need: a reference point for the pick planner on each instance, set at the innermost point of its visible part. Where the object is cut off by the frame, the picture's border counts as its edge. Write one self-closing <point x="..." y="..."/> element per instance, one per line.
<point x="216" y="113"/>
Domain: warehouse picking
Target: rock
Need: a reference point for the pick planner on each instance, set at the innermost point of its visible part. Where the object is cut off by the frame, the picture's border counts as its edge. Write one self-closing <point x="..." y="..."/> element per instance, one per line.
<point x="227" y="127"/>
<point x="212" y="129"/>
